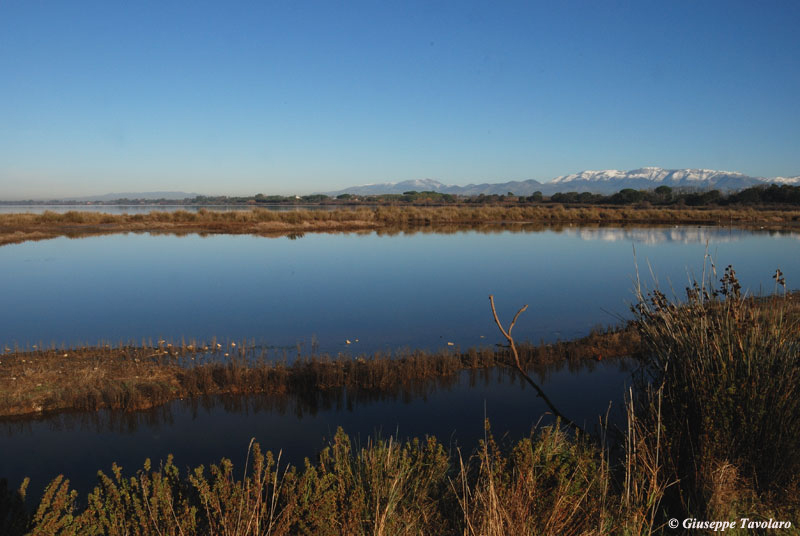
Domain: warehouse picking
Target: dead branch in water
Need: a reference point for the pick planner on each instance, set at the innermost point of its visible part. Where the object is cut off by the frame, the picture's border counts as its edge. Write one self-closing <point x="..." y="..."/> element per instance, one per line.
<point x="517" y="365"/>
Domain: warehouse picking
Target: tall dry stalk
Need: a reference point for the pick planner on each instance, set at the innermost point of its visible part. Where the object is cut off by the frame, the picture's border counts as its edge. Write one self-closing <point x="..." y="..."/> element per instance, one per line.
<point x="518" y="365"/>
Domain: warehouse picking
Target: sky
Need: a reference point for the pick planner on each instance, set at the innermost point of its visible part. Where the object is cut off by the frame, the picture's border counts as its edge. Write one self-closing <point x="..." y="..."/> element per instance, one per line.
<point x="244" y="97"/>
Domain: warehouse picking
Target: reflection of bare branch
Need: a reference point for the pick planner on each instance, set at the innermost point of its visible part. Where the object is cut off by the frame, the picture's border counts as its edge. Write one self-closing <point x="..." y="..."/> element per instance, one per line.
<point x="521" y="370"/>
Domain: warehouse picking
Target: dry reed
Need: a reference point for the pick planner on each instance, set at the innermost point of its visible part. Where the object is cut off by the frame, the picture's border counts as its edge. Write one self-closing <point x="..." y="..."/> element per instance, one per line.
<point x="20" y="227"/>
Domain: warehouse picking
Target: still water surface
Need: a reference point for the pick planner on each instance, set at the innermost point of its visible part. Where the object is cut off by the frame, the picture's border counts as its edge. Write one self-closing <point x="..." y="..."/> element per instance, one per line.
<point x="408" y="290"/>
<point x="389" y="292"/>
<point x="203" y="431"/>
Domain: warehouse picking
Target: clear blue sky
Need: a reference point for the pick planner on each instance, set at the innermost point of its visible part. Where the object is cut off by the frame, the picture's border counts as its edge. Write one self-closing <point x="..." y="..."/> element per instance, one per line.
<point x="295" y="97"/>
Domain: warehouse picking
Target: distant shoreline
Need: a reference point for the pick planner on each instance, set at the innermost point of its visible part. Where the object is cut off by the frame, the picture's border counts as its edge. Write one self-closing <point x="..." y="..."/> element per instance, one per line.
<point x="16" y="228"/>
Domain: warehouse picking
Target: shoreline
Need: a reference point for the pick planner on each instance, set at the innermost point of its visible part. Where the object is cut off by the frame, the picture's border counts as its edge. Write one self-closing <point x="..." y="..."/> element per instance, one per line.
<point x="133" y="378"/>
<point x="16" y="228"/>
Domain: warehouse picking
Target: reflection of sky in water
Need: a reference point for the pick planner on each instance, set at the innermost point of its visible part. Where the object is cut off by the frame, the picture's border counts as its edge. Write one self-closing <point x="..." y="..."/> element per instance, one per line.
<point x="658" y="235"/>
<point x="418" y="290"/>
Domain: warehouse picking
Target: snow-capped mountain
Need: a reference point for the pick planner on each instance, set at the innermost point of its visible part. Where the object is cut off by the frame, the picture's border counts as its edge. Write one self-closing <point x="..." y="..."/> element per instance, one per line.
<point x="606" y="181"/>
<point x="792" y="181"/>
<point x="612" y="180"/>
<point x="654" y="174"/>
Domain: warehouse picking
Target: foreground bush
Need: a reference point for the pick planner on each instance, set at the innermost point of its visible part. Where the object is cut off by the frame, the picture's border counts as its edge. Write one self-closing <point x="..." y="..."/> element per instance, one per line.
<point x="548" y="484"/>
<point x="727" y="369"/>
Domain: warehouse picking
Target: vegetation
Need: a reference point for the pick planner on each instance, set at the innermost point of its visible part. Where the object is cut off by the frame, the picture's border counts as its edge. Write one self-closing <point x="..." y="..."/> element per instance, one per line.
<point x="759" y="195"/>
<point x="548" y="484"/>
<point x="724" y="383"/>
<point x="139" y="377"/>
<point x="20" y="227"/>
<point x="713" y="433"/>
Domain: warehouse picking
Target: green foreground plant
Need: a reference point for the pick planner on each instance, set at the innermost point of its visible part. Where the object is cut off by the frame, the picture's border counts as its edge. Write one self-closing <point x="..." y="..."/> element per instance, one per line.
<point x="547" y="484"/>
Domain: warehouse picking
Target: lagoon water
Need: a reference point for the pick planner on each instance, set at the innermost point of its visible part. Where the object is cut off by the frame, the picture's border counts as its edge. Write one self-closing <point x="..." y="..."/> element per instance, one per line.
<point x="203" y="431"/>
<point x="407" y="290"/>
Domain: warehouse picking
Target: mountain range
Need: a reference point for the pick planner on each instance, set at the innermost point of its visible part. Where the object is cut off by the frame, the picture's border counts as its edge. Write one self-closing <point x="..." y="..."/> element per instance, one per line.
<point x="607" y="181"/>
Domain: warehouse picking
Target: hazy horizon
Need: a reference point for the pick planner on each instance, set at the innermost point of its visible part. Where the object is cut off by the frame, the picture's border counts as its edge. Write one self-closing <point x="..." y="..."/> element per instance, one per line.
<point x="128" y="194"/>
<point x="310" y="97"/>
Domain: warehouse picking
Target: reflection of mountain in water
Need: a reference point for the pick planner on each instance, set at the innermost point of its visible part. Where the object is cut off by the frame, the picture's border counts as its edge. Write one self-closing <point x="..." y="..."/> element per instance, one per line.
<point x="677" y="234"/>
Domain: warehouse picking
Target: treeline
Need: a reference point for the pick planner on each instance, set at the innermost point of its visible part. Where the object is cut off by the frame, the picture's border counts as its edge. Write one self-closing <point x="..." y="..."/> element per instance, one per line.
<point x="770" y="195"/>
<point x="410" y="197"/>
<point x="662" y="196"/>
<point x="666" y="196"/>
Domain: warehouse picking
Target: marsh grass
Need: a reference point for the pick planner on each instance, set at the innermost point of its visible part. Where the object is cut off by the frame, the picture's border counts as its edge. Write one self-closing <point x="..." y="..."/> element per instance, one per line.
<point x="728" y="369"/>
<point x="132" y="377"/>
<point x="549" y="483"/>
<point x="20" y="227"/>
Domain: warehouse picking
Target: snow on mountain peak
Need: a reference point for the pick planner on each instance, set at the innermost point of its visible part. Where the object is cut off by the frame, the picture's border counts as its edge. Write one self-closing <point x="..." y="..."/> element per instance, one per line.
<point x="787" y="180"/>
<point x="606" y="181"/>
<point x="650" y="173"/>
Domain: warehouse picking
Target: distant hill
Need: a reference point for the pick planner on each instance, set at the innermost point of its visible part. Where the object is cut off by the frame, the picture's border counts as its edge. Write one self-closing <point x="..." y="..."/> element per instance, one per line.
<point x="419" y="185"/>
<point x="423" y="185"/>
<point x="607" y="181"/>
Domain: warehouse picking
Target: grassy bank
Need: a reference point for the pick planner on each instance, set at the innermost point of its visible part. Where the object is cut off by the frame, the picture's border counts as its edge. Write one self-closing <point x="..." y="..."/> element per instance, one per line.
<point x="713" y="435"/>
<point x="139" y="377"/>
<point x="20" y="227"/>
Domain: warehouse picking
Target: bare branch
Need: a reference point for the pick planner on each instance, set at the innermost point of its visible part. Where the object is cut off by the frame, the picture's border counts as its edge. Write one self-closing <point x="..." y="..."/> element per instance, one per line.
<point x="518" y="365"/>
<point x="510" y="327"/>
<point x="497" y="320"/>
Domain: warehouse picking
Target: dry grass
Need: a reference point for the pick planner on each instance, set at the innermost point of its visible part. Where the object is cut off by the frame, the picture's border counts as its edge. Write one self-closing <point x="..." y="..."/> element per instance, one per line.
<point x="728" y="370"/>
<point x="139" y="377"/>
<point x="546" y="484"/>
<point x="20" y="227"/>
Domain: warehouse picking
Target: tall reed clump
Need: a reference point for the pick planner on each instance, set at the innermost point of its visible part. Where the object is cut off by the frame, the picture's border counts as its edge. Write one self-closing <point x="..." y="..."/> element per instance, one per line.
<point x="548" y="484"/>
<point x="728" y="367"/>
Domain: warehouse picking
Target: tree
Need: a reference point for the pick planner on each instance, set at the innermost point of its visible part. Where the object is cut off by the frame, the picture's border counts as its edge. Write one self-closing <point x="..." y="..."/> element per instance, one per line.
<point x="664" y="193"/>
<point x="536" y="197"/>
<point x="627" y="196"/>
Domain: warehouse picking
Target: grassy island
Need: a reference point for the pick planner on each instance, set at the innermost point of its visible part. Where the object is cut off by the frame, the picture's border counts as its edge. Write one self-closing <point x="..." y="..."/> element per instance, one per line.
<point x="16" y="228"/>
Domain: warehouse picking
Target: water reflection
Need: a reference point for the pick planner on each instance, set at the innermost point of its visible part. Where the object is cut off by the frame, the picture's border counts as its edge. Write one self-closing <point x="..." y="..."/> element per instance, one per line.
<point x="651" y="235"/>
<point x="390" y="289"/>
<point x="202" y="430"/>
<point x="677" y="234"/>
